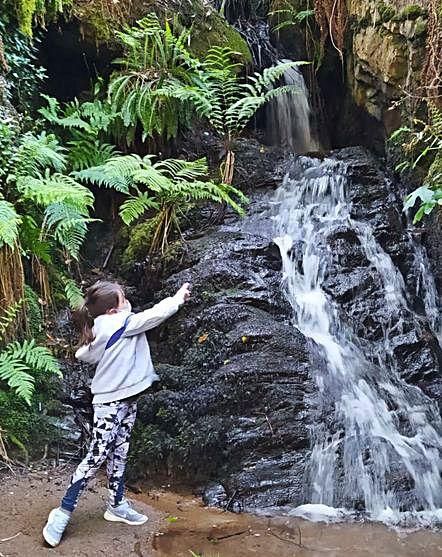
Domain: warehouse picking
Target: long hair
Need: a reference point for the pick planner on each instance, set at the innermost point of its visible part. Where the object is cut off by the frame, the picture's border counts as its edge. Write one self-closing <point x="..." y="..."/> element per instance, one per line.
<point x="100" y="297"/>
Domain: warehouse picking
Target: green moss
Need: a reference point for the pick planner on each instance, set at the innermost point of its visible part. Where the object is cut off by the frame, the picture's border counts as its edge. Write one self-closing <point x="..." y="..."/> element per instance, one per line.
<point x="27" y="429"/>
<point x="385" y="11"/>
<point x="413" y="11"/>
<point x="210" y="29"/>
<point x="139" y="242"/>
<point x="420" y="28"/>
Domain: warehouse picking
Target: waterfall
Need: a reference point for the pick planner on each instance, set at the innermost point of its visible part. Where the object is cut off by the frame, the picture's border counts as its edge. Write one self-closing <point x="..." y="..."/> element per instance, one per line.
<point x="288" y="116"/>
<point x="372" y="426"/>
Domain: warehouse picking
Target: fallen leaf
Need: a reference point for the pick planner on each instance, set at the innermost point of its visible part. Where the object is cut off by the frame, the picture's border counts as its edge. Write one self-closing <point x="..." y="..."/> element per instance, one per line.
<point x="203" y="338"/>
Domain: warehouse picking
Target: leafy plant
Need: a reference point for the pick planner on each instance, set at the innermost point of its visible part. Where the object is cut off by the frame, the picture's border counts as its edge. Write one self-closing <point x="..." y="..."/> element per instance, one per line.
<point x="18" y="360"/>
<point x="73" y="294"/>
<point x="418" y="143"/>
<point x="153" y="58"/>
<point x="18" y="56"/>
<point x="86" y="129"/>
<point x="227" y="101"/>
<point x="44" y="214"/>
<point x="167" y="188"/>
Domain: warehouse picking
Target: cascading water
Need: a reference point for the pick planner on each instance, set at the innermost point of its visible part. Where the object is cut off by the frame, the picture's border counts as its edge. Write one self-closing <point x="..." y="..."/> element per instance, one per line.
<point x="288" y="115"/>
<point x="373" y="427"/>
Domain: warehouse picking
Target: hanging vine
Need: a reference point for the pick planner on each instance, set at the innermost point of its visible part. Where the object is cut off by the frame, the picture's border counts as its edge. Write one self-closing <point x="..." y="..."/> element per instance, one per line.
<point x="332" y="17"/>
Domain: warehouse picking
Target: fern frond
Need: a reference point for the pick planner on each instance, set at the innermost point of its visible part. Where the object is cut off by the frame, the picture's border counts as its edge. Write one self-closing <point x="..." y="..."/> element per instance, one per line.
<point x="38" y="153"/>
<point x="73" y="294"/>
<point x="8" y="317"/>
<point x="9" y="224"/>
<point x="37" y="358"/>
<point x="116" y="173"/>
<point x="16" y="375"/>
<point x="56" y="188"/>
<point x="181" y="169"/>
<point x="134" y="207"/>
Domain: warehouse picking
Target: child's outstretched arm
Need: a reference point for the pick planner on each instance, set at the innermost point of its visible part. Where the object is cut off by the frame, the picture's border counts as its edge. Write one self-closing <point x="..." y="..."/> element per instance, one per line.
<point x="154" y="316"/>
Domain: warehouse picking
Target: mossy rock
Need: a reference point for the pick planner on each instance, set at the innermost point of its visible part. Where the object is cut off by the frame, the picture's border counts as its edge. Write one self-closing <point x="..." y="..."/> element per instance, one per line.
<point x="385" y="11"/>
<point x="209" y="29"/>
<point x="140" y="239"/>
<point x="413" y="11"/>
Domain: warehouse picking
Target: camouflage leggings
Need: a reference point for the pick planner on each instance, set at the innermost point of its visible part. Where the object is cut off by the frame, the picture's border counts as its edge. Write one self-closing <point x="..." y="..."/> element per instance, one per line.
<point x="113" y="423"/>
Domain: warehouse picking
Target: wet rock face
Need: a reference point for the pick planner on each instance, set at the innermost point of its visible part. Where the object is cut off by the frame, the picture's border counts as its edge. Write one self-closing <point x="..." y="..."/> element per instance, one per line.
<point x="234" y="403"/>
<point x="237" y="393"/>
<point x="355" y="284"/>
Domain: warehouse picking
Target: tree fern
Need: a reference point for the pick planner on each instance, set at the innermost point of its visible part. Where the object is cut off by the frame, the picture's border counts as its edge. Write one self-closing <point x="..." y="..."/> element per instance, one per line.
<point x="164" y="186"/>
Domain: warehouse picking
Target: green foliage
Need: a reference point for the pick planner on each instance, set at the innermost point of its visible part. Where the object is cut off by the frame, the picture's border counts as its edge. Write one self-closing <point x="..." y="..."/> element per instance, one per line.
<point x="73" y="294"/>
<point x="34" y="312"/>
<point x="8" y="317"/>
<point x="429" y="199"/>
<point x="24" y="76"/>
<point x="153" y="58"/>
<point x="36" y="183"/>
<point x="30" y="12"/>
<point x="292" y="17"/>
<point x="85" y="127"/>
<point x="419" y="143"/>
<point x="9" y="224"/>
<point x="227" y="102"/>
<point x="164" y="187"/>
<point x="20" y="360"/>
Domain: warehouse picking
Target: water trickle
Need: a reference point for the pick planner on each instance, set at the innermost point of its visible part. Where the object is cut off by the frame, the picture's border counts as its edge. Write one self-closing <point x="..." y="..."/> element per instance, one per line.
<point x="373" y="429"/>
<point x="288" y="116"/>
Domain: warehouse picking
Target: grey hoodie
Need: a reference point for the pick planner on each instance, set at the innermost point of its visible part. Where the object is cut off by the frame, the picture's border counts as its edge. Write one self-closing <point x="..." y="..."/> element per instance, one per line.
<point x="125" y="369"/>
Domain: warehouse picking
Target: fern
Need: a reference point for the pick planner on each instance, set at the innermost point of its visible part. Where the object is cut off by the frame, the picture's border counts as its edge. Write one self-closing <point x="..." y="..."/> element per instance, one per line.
<point x="37" y="154"/>
<point x="53" y="188"/>
<point x="154" y="60"/>
<point x="136" y="206"/>
<point x="116" y="173"/>
<point x="9" y="224"/>
<point x="19" y="360"/>
<point x="8" y="317"/>
<point x="163" y="186"/>
<point x="73" y="294"/>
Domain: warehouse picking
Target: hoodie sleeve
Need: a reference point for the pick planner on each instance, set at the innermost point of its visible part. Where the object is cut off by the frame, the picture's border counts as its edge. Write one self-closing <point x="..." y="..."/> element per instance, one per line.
<point x="86" y="354"/>
<point x="154" y="316"/>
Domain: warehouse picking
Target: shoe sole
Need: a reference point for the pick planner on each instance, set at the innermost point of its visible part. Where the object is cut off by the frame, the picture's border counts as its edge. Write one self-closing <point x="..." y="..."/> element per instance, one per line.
<point x="48" y="539"/>
<point x="113" y="518"/>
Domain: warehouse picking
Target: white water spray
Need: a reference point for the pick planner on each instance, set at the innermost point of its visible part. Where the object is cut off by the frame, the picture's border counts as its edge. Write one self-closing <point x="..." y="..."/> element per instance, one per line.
<point x="373" y="427"/>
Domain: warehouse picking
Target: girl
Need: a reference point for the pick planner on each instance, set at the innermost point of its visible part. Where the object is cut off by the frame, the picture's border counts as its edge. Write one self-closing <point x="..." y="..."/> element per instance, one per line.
<point x="113" y="338"/>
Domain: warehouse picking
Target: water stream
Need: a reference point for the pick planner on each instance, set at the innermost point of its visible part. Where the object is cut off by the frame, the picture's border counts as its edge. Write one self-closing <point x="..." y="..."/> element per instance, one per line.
<point x="288" y="116"/>
<point x="374" y="431"/>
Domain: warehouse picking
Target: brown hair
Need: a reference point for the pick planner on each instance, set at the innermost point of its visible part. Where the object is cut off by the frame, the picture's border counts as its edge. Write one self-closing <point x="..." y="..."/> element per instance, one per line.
<point x="100" y="297"/>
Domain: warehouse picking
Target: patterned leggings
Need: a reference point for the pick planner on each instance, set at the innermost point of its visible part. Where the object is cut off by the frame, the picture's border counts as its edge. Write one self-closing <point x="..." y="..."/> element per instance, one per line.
<point x="113" y="423"/>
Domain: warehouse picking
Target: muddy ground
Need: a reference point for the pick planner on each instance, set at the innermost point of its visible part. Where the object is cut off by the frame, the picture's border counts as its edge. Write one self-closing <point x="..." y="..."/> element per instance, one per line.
<point x="179" y="524"/>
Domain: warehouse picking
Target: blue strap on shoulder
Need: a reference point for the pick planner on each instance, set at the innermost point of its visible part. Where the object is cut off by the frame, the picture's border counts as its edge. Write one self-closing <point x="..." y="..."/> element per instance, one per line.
<point x="117" y="335"/>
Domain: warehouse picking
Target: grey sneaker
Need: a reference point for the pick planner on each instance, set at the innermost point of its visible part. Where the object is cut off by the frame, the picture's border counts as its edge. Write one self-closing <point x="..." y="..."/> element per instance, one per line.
<point x="124" y="513"/>
<point x="55" y="526"/>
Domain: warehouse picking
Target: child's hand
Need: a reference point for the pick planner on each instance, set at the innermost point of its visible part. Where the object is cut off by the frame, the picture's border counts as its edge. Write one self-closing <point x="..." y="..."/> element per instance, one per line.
<point x="184" y="292"/>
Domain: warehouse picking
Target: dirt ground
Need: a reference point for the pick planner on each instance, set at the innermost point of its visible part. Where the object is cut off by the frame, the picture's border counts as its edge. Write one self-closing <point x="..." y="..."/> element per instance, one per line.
<point x="179" y="525"/>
